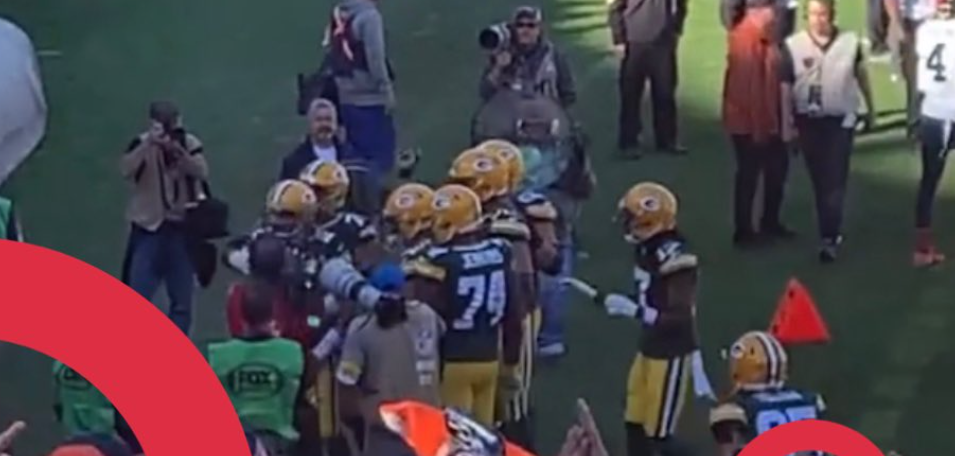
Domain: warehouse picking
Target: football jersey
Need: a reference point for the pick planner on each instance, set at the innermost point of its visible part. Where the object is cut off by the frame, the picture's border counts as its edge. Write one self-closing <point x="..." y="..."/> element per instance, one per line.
<point x="751" y="413"/>
<point x="409" y="255"/>
<point x="352" y="230"/>
<point x="474" y="276"/>
<point x="506" y="222"/>
<point x="935" y="46"/>
<point x="536" y="208"/>
<point x="658" y="258"/>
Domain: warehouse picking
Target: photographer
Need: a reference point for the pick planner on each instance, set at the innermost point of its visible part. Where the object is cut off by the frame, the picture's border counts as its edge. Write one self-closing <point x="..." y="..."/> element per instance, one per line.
<point x="163" y="166"/>
<point x="522" y="59"/>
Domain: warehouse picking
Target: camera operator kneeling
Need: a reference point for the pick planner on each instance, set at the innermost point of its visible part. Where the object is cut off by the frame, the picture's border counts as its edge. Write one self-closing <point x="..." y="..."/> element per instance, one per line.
<point x="522" y="59"/>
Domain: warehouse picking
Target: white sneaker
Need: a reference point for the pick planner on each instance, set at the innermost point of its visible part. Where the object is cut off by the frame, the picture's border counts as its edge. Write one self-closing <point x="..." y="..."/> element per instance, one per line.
<point x="552" y="350"/>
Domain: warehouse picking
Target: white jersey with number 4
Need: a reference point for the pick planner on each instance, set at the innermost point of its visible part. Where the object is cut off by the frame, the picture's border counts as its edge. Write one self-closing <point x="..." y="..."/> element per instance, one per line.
<point x="935" y="45"/>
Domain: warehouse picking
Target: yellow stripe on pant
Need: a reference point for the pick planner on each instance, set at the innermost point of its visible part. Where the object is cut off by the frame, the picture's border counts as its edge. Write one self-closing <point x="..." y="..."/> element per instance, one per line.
<point x="326" y="401"/>
<point x="472" y="388"/>
<point x="656" y="389"/>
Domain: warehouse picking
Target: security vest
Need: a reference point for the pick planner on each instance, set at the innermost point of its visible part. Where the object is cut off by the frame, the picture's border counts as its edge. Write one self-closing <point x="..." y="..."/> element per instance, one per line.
<point x="825" y="81"/>
<point x="262" y="379"/>
<point x="6" y="212"/>
<point x="84" y="409"/>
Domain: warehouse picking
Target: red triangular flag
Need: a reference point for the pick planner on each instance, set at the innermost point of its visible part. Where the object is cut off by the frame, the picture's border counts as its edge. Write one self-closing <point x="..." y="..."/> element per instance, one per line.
<point x="797" y="320"/>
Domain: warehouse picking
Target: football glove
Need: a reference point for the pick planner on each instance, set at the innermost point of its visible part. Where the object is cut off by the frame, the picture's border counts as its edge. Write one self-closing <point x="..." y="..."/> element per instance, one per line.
<point x="618" y="305"/>
<point x="327" y="345"/>
<point x="509" y="382"/>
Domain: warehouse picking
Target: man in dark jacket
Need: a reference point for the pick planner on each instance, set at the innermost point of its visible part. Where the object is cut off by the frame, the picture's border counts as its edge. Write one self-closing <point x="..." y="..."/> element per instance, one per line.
<point x="646" y="34"/>
<point x="324" y="142"/>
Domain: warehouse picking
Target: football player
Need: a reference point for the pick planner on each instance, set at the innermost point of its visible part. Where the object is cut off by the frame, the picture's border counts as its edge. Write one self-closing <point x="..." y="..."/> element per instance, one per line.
<point x="935" y="46"/>
<point x="536" y="209"/>
<point x="760" y="399"/>
<point x="470" y="283"/>
<point x="289" y="208"/>
<point x="407" y="217"/>
<point x="330" y="182"/>
<point x="314" y="267"/>
<point x="665" y="276"/>
<point x="487" y="174"/>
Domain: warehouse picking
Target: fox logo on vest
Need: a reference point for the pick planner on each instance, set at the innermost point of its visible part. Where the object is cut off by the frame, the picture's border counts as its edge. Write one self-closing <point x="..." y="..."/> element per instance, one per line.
<point x="256" y="380"/>
<point x="808" y="62"/>
<point x="71" y="379"/>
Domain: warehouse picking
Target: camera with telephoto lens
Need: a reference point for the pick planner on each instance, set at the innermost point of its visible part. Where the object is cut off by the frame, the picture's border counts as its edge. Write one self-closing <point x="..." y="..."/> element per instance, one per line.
<point x="495" y="37"/>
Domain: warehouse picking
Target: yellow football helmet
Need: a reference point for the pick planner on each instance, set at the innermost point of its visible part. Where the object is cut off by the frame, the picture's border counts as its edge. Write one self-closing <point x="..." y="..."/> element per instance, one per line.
<point x="329" y="180"/>
<point x="457" y="211"/>
<point x="410" y="208"/>
<point x="482" y="172"/>
<point x="645" y="210"/>
<point x="758" y="361"/>
<point x="291" y="198"/>
<point x="511" y="155"/>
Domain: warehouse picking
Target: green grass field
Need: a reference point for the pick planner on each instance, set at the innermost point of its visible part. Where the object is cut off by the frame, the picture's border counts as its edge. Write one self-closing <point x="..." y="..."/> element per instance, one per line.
<point x="231" y="66"/>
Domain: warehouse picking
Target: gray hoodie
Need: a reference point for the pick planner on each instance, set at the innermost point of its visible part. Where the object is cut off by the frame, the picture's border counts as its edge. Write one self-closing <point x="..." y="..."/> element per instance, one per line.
<point x="371" y="88"/>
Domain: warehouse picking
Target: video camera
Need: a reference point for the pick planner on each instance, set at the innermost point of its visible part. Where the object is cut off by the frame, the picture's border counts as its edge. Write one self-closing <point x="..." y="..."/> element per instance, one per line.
<point x="495" y="37"/>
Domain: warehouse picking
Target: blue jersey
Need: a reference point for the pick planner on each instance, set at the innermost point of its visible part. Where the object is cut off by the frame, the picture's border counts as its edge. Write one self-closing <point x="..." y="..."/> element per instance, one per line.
<point x="751" y="413"/>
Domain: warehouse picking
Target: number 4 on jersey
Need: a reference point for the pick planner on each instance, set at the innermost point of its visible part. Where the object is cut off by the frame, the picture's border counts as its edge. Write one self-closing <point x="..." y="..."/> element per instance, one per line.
<point x="936" y="64"/>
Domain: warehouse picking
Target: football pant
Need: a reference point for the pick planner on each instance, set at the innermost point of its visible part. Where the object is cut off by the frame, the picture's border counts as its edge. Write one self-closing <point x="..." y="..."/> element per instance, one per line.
<point x="656" y="391"/>
<point x="471" y="388"/>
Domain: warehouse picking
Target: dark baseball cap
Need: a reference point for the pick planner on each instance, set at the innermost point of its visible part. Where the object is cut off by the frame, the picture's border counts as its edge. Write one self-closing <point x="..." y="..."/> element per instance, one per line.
<point x="528" y="13"/>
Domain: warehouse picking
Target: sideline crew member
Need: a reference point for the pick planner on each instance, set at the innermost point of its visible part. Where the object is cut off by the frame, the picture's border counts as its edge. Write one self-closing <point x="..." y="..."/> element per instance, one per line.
<point x="825" y="67"/>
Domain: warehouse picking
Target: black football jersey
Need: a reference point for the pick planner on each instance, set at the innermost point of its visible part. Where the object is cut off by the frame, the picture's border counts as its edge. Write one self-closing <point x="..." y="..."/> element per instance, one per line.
<point x="351" y="229"/>
<point x="474" y="276"/>
<point x="658" y="258"/>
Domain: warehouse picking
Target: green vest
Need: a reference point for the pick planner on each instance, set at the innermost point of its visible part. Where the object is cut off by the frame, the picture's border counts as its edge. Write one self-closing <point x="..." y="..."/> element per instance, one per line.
<point x="85" y="410"/>
<point x="6" y="211"/>
<point x="262" y="378"/>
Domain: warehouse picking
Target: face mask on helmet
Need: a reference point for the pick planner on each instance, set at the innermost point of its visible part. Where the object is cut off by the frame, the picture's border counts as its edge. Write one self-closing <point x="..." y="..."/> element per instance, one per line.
<point x="470" y="438"/>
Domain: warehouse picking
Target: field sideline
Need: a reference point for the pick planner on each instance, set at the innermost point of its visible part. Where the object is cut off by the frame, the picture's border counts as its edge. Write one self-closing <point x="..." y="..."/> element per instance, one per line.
<point x="887" y="373"/>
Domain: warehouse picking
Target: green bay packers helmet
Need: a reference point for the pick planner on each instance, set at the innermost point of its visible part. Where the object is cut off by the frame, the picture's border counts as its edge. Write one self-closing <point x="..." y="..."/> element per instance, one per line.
<point x="646" y="209"/>
<point x="758" y="361"/>
<point x="291" y="199"/>
<point x="329" y="180"/>
<point x="410" y="209"/>
<point x="481" y="171"/>
<point x="512" y="158"/>
<point x="457" y="211"/>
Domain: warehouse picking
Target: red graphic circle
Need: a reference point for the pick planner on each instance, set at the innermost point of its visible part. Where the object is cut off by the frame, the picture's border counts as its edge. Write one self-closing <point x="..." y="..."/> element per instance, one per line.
<point x="808" y="435"/>
<point x="71" y="311"/>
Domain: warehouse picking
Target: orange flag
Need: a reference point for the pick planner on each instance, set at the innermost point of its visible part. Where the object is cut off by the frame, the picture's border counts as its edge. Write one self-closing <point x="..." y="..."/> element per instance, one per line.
<point x="797" y="319"/>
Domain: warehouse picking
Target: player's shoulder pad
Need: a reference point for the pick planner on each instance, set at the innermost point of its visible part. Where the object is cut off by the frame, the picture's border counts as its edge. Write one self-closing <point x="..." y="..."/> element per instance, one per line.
<point x="726" y="412"/>
<point x="511" y="228"/>
<point x="672" y="257"/>
<point x="536" y="206"/>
